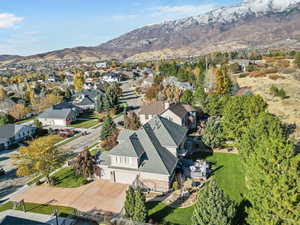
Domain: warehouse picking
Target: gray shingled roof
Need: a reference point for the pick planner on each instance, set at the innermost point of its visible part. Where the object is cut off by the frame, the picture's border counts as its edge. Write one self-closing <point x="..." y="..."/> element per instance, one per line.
<point x="181" y="109"/>
<point x="86" y="101"/>
<point x="148" y="143"/>
<point x="9" y="130"/>
<point x="57" y="113"/>
<point x="169" y="133"/>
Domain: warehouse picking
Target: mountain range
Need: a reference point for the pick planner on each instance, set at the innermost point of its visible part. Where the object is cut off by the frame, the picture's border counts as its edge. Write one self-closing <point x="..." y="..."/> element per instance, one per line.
<point x="251" y="24"/>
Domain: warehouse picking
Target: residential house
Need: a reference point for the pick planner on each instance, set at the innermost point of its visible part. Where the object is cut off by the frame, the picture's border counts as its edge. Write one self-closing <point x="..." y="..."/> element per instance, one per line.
<point x="147" y="157"/>
<point x="101" y="65"/>
<point x="111" y="77"/>
<point x="6" y="105"/>
<point x="53" y="78"/>
<point x="172" y="81"/>
<point x="13" y="133"/>
<point x="60" y="115"/>
<point x="182" y="114"/>
<point x="86" y="99"/>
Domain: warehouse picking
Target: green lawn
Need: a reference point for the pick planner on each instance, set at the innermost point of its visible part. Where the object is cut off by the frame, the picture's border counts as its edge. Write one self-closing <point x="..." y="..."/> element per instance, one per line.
<point x="84" y="123"/>
<point x="37" y="208"/>
<point x="67" y="178"/>
<point x="227" y="172"/>
<point x="159" y="211"/>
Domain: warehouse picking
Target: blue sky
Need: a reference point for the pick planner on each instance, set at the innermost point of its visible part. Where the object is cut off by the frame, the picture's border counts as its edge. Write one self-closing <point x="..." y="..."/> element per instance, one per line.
<point x="35" y="26"/>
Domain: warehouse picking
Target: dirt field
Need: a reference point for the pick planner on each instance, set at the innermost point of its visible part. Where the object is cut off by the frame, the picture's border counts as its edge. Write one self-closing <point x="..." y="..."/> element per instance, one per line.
<point x="100" y="195"/>
<point x="287" y="109"/>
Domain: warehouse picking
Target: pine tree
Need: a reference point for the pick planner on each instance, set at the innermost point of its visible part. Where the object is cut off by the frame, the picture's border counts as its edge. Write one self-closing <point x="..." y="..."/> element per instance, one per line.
<point x="213" y="207"/>
<point x="272" y="172"/>
<point x="107" y="128"/>
<point x="129" y="204"/>
<point x="140" y="210"/>
<point x="99" y="103"/>
<point x="212" y="134"/>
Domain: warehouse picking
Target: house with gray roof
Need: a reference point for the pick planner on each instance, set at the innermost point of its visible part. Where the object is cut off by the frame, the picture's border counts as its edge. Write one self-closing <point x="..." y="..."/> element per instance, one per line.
<point x="86" y="99"/>
<point x="147" y="157"/>
<point x="182" y="114"/>
<point x="14" y="133"/>
<point x="59" y="115"/>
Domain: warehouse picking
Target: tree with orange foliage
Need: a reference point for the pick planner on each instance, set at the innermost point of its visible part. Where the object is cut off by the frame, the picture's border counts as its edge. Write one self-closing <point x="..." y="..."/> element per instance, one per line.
<point x="18" y="111"/>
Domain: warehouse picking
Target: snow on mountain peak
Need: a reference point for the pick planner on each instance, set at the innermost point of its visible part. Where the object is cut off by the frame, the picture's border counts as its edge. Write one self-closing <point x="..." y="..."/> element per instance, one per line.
<point x="233" y="13"/>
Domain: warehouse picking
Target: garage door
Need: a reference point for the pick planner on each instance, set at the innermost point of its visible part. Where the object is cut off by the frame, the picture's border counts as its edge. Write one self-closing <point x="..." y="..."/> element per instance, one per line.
<point x="124" y="178"/>
<point x="59" y="122"/>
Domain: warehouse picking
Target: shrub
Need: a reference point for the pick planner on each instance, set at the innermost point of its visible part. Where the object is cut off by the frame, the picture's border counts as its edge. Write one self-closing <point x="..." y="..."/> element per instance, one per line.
<point x="175" y="186"/>
<point x="278" y="92"/>
<point x="243" y="75"/>
<point x="276" y="77"/>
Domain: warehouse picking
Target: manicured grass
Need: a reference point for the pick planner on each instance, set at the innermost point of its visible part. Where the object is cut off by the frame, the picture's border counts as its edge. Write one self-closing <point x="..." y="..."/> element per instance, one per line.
<point x="37" y="208"/>
<point x="90" y="115"/>
<point x="160" y="212"/>
<point x="34" y="180"/>
<point x="67" y="178"/>
<point x="228" y="172"/>
<point x="84" y="123"/>
<point x="25" y="120"/>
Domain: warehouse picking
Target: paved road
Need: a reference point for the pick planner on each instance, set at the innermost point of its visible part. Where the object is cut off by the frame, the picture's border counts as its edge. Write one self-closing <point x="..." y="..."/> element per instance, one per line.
<point x="93" y="137"/>
<point x="10" y="183"/>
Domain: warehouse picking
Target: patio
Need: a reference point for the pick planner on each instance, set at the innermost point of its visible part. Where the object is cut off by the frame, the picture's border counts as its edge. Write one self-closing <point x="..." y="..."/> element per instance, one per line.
<point x="98" y="195"/>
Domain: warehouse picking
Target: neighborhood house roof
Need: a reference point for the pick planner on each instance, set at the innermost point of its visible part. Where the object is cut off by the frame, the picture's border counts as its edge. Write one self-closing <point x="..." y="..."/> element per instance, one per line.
<point x="58" y="113"/>
<point x="149" y="145"/>
<point x="10" y="130"/>
<point x="181" y="109"/>
<point x="153" y="109"/>
<point x="12" y="220"/>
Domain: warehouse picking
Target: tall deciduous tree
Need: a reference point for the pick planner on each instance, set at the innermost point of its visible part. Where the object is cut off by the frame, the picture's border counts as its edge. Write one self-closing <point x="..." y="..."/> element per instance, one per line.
<point x="78" y="81"/>
<point x="132" y="121"/>
<point x="213" y="207"/>
<point x="84" y="164"/>
<point x="19" y="111"/>
<point x="272" y="172"/>
<point x="39" y="157"/>
<point x="223" y="83"/>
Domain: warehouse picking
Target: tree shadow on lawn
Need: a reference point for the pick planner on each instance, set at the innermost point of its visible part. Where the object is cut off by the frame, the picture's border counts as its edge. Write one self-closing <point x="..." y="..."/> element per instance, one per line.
<point x="161" y="213"/>
<point x="241" y="213"/>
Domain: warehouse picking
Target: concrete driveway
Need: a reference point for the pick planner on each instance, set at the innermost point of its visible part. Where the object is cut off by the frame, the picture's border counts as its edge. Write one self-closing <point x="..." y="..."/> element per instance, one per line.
<point x="98" y="195"/>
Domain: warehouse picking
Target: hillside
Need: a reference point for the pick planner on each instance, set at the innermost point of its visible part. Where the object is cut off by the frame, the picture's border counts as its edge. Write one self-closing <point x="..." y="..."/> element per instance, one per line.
<point x="252" y="24"/>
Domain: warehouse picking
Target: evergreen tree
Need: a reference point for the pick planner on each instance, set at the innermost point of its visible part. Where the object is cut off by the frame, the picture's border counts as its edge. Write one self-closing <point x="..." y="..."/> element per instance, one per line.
<point x="140" y="210"/>
<point x="212" y="134"/>
<point x="213" y="207"/>
<point x="99" y="103"/>
<point x="272" y="172"/>
<point x="237" y="113"/>
<point x="107" y="127"/>
<point x="129" y="204"/>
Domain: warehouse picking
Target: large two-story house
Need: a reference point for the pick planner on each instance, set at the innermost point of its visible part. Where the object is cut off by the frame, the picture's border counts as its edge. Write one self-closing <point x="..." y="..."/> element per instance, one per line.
<point x="86" y="99"/>
<point x="147" y="156"/>
<point x="13" y="133"/>
<point x="181" y="114"/>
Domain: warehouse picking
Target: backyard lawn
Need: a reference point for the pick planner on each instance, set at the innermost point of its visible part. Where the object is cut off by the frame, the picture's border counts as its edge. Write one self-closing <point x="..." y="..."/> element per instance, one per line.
<point x="84" y="123"/>
<point x="67" y="178"/>
<point x="227" y="171"/>
<point x="37" y="208"/>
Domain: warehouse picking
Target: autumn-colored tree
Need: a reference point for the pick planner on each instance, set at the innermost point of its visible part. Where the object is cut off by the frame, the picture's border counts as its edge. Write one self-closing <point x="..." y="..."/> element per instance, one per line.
<point x="48" y="101"/>
<point x="18" y="111"/>
<point x="78" y="81"/>
<point x="197" y="72"/>
<point x="172" y="93"/>
<point x="223" y="83"/>
<point x="84" y="164"/>
<point x="40" y="157"/>
<point x="132" y="121"/>
<point x="3" y="94"/>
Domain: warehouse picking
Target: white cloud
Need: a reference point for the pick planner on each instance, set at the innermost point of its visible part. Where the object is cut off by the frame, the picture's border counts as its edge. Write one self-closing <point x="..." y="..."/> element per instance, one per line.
<point x="8" y="20"/>
<point x="180" y="11"/>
